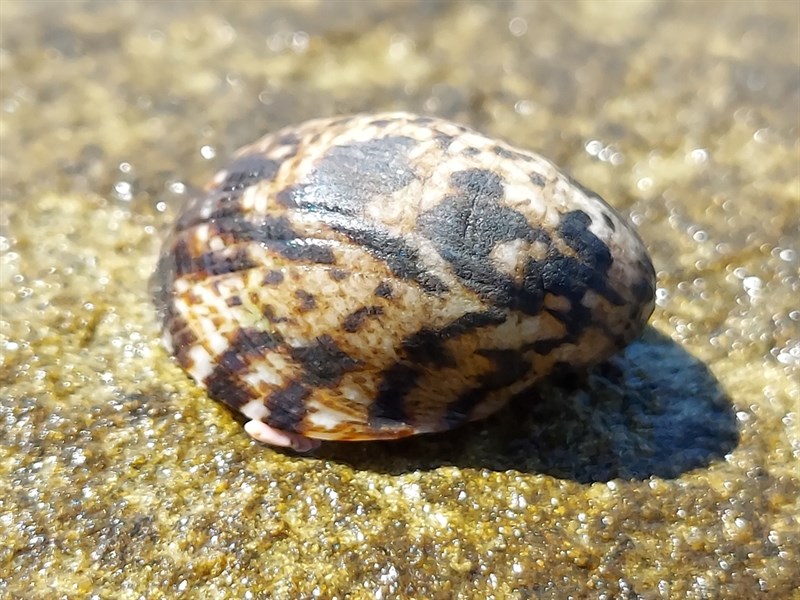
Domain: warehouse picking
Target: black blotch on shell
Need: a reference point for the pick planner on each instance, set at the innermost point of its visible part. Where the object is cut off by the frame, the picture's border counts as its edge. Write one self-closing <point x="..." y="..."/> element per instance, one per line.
<point x="247" y="170"/>
<point x="401" y="258"/>
<point x="348" y="176"/>
<point x="384" y="290"/>
<point x="287" y="406"/>
<point x="353" y="321"/>
<point x="307" y="301"/>
<point x="468" y="225"/>
<point x="224" y="382"/>
<point x="512" y="154"/>
<point x="338" y="274"/>
<point x="509" y="367"/>
<point x="427" y="346"/>
<point x="388" y="409"/>
<point x="273" y="277"/>
<point x="538" y="180"/>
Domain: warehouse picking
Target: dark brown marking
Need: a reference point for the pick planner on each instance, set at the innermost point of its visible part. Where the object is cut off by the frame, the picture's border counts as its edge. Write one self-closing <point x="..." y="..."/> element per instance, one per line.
<point x="546" y="346"/>
<point x="346" y="177"/>
<point x="571" y="276"/>
<point x="225" y="383"/>
<point x="219" y="263"/>
<point x="242" y="173"/>
<point x="268" y="230"/>
<point x="356" y="319"/>
<point x="538" y="180"/>
<point x="247" y="170"/>
<point x="511" y="154"/>
<point x="230" y="209"/>
<point x="307" y="301"/>
<point x="183" y="339"/>
<point x="467" y="226"/>
<point x="323" y="362"/>
<point x="213" y="262"/>
<point x="388" y="410"/>
<point x="233" y="301"/>
<point x="610" y="222"/>
<point x="401" y="258"/>
<point x="427" y="346"/>
<point x="277" y="234"/>
<point x="309" y="252"/>
<point x="289" y="139"/>
<point x="228" y="389"/>
<point x="273" y="277"/>
<point x="338" y="274"/>
<point x="223" y="201"/>
<point x="384" y="290"/>
<point x="349" y="176"/>
<point x="179" y="260"/>
<point x="287" y="406"/>
<point x="508" y="367"/>
<point x="473" y="320"/>
<point x="269" y="312"/>
<point x="591" y="250"/>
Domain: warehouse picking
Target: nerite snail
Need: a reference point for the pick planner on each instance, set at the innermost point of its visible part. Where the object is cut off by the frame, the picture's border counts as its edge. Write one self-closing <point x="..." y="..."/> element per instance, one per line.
<point x="377" y="276"/>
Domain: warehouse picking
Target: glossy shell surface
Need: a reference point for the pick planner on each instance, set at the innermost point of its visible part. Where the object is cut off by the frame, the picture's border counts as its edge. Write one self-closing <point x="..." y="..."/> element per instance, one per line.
<point x="377" y="276"/>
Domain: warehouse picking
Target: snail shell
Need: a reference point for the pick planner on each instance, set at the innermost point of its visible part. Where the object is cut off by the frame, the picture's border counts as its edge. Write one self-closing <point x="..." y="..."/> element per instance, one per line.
<point x="377" y="276"/>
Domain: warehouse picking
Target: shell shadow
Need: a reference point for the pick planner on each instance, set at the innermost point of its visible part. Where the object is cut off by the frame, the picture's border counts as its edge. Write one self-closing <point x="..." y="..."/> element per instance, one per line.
<point x="652" y="410"/>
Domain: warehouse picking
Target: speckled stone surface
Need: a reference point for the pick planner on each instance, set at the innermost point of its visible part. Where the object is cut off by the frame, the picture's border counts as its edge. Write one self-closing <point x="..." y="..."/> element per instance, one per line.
<point x="672" y="471"/>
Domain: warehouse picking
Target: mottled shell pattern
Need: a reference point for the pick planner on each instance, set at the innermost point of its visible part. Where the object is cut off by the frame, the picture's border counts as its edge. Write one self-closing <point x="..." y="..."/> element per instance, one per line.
<point x="377" y="276"/>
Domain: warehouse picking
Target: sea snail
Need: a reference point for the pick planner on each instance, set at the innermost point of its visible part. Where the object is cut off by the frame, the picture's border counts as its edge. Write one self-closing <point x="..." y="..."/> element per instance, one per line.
<point x="377" y="276"/>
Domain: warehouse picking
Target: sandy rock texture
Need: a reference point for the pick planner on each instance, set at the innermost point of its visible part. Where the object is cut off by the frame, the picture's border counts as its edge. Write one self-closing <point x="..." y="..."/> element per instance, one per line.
<point x="672" y="471"/>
